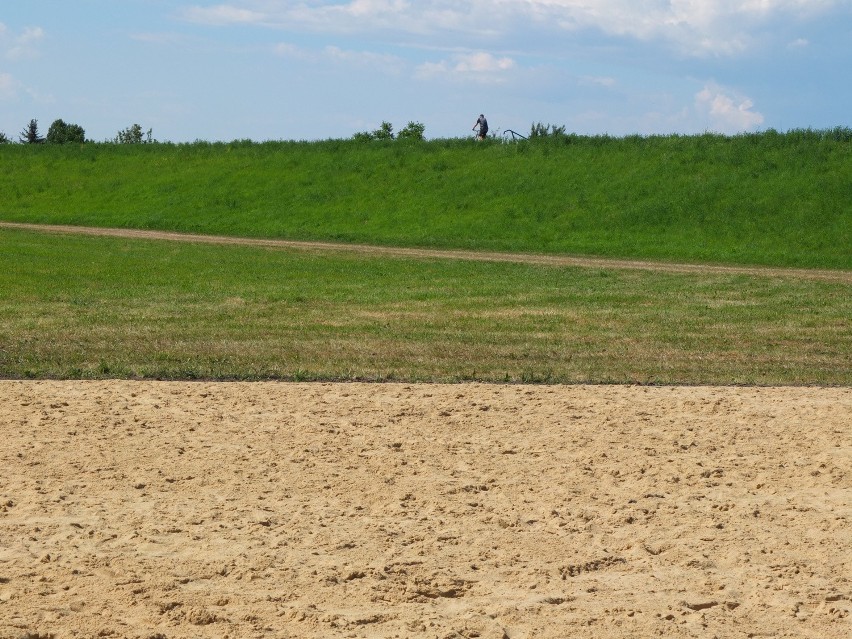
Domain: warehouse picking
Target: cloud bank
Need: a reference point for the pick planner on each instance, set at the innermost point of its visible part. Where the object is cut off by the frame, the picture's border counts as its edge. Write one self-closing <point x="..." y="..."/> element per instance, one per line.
<point x="690" y="27"/>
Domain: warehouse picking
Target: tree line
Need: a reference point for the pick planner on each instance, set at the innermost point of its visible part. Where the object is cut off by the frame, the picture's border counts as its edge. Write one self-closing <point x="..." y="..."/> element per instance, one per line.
<point x="61" y="132"/>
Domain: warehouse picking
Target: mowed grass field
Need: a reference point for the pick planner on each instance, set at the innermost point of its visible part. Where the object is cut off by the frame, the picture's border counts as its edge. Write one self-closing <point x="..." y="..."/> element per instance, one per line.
<point x="90" y="307"/>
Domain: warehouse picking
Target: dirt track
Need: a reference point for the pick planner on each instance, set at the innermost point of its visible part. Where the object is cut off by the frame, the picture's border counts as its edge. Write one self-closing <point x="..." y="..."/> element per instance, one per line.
<point x="157" y="509"/>
<point x="484" y="256"/>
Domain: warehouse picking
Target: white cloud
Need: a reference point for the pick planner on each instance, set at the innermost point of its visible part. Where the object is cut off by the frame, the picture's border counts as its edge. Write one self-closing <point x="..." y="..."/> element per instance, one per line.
<point x="482" y="62"/>
<point x="288" y="50"/>
<point x="726" y="113"/>
<point x="318" y="15"/>
<point x="598" y="81"/>
<point x="223" y="14"/>
<point x="375" y="61"/>
<point x="8" y="86"/>
<point x="162" y="38"/>
<point x="375" y="7"/>
<point x="387" y="63"/>
<point x="22" y="45"/>
<point x="693" y="27"/>
<point x="16" y="46"/>
<point x="40" y="98"/>
<point x="479" y="66"/>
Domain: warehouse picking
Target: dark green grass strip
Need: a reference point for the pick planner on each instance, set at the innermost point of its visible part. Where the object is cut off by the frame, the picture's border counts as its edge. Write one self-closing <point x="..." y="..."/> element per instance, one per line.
<point x="82" y="307"/>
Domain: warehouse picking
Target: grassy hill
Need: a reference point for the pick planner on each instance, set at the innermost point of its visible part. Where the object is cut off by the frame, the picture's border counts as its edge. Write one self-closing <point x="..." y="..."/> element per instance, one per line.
<point x="769" y="198"/>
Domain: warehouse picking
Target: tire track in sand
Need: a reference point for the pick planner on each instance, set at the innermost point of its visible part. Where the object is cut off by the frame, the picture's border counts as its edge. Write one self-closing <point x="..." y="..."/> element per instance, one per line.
<point x="449" y="254"/>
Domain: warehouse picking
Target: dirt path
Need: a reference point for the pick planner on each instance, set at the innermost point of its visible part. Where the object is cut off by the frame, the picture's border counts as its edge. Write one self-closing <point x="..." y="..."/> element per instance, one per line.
<point x="485" y="256"/>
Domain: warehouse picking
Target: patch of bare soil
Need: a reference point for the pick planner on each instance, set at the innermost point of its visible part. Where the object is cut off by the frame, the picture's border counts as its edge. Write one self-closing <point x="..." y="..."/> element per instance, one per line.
<point x="482" y="256"/>
<point x="164" y="509"/>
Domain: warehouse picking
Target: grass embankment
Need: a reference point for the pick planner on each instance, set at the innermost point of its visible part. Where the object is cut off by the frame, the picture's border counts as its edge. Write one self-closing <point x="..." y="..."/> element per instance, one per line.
<point x="769" y="198"/>
<point x="84" y="307"/>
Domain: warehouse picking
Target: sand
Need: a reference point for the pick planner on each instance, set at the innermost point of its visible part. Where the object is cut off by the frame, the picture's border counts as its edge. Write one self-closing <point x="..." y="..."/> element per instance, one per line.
<point x="167" y="510"/>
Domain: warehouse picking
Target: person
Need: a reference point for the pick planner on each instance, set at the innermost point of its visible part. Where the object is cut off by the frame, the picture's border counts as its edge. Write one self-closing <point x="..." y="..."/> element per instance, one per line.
<point x="482" y="123"/>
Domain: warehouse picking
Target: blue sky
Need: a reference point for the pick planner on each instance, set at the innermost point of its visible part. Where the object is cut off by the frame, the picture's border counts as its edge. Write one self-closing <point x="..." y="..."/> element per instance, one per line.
<point x="315" y="69"/>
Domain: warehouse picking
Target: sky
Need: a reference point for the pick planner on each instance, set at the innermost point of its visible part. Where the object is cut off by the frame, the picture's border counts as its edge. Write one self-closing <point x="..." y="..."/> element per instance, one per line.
<point x="316" y="69"/>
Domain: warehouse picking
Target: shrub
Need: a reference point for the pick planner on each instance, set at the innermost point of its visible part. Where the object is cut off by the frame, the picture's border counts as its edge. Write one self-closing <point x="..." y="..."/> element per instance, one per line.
<point x="133" y="135"/>
<point x="539" y="130"/>
<point x="412" y="131"/>
<point x="384" y="132"/>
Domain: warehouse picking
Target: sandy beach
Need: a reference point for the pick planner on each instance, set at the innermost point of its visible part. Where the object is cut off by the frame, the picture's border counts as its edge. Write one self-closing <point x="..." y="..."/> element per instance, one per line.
<point x="176" y="510"/>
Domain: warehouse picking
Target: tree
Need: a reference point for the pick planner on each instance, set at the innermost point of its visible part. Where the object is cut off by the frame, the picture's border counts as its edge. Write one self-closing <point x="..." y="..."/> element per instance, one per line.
<point x="62" y="133"/>
<point x="30" y="135"/>
<point x="133" y="135"/>
<point x="384" y="132"/>
<point x="412" y="131"/>
<point x="4" y="139"/>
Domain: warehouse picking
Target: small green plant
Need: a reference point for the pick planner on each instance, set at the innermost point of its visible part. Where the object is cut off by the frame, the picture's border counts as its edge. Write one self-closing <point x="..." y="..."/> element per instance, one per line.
<point x="539" y="130"/>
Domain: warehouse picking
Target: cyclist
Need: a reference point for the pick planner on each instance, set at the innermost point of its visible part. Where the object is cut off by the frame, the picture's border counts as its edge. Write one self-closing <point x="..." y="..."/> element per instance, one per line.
<point x="482" y="123"/>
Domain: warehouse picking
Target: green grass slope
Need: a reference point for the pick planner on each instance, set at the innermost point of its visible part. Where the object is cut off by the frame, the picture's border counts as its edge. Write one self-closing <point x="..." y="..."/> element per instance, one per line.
<point x="769" y="198"/>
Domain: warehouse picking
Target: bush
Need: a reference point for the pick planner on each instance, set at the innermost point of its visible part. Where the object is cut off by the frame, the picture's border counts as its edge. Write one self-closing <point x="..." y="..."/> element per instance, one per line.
<point x="412" y="131"/>
<point x="539" y="130"/>
<point x="384" y="132"/>
<point x="133" y="135"/>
